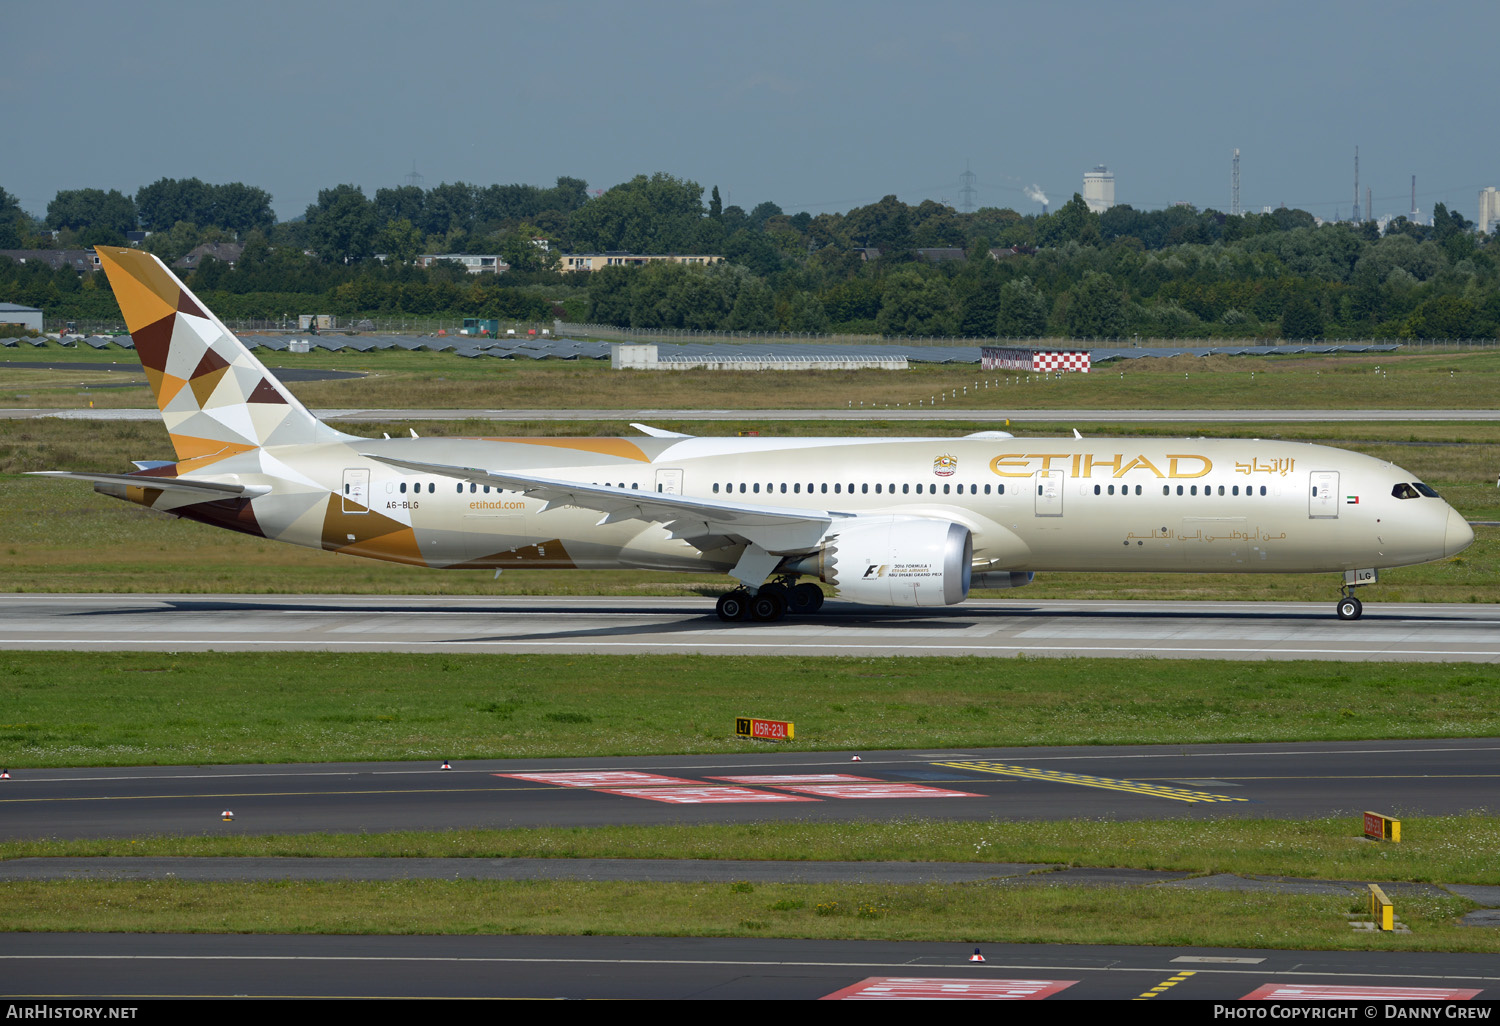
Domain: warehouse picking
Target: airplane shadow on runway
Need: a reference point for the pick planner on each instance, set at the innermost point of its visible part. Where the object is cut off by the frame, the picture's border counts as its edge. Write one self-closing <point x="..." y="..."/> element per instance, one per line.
<point x="712" y="623"/>
<point x="834" y="614"/>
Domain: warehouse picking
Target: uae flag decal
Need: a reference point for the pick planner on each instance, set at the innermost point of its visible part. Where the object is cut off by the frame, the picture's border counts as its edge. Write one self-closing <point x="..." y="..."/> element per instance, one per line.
<point x="1351" y="500"/>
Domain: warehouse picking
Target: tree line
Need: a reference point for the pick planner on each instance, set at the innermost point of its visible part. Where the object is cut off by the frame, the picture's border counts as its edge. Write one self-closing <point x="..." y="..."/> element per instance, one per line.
<point x="1174" y="273"/>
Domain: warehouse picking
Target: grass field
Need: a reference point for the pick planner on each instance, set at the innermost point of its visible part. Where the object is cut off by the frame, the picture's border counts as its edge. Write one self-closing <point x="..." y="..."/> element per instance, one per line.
<point x="82" y="709"/>
<point x="967" y="914"/>
<point x="403" y="380"/>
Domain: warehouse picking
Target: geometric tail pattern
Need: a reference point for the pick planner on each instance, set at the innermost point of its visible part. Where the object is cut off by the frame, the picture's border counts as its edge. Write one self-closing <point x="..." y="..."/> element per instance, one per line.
<point x="216" y="398"/>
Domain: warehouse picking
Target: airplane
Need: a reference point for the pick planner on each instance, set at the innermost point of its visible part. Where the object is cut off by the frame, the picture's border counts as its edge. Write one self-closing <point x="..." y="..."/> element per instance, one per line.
<point x="884" y="521"/>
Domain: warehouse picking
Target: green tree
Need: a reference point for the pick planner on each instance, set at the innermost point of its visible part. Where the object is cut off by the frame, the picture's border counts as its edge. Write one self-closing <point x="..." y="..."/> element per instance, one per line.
<point x="1096" y="308"/>
<point x="82" y="209"/>
<point x="1300" y="319"/>
<point x="1023" y="310"/>
<point x="341" y="226"/>
<point x="400" y="240"/>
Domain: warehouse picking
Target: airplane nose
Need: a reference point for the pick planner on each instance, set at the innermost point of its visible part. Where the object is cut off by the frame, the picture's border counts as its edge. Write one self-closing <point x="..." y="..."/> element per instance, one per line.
<point x="1459" y="535"/>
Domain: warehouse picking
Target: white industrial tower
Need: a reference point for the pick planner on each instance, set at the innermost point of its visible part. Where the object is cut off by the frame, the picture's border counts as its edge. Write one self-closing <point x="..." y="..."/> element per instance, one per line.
<point x="1099" y="189"/>
<point x="1234" y="185"/>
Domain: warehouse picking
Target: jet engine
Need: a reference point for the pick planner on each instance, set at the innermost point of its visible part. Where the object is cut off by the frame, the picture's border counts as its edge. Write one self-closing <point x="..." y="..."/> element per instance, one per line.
<point x="894" y="561"/>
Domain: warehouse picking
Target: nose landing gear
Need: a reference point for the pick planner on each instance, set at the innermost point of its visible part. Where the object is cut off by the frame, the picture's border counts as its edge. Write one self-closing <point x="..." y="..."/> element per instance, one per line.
<point x="1349" y="607"/>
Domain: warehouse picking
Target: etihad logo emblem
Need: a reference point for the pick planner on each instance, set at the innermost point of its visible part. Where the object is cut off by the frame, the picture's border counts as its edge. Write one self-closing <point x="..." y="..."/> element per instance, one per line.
<point x="945" y="465"/>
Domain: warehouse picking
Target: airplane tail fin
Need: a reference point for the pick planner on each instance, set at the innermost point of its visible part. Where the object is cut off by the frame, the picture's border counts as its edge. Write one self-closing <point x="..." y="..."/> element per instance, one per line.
<point x="216" y="398"/>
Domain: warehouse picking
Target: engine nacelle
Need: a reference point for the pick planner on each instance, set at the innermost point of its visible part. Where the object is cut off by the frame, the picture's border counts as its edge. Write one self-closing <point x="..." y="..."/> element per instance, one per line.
<point x="895" y="561"/>
<point x="1002" y="579"/>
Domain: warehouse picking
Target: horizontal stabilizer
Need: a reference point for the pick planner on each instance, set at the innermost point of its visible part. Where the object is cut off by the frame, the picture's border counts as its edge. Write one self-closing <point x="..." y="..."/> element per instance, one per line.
<point x="656" y="432"/>
<point x="208" y="489"/>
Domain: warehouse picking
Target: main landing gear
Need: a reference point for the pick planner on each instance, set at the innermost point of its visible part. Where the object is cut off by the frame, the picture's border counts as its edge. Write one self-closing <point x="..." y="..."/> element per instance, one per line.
<point x="771" y="602"/>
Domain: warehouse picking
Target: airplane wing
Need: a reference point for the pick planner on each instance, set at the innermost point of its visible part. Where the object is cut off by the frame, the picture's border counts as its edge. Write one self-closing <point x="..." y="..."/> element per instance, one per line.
<point x="207" y="489"/>
<point x="705" y="523"/>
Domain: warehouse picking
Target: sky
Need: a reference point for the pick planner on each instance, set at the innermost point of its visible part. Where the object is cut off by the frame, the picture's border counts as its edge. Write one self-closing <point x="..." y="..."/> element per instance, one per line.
<point x="815" y="106"/>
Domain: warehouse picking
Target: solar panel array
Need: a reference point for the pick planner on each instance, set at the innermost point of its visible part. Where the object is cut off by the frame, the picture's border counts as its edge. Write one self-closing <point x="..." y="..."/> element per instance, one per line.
<point x="576" y="349"/>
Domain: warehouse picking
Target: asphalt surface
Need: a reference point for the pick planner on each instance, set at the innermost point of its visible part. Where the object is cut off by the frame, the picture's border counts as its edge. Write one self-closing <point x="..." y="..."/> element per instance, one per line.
<point x="141" y="967"/>
<point x="1214" y="630"/>
<point x="1300" y="780"/>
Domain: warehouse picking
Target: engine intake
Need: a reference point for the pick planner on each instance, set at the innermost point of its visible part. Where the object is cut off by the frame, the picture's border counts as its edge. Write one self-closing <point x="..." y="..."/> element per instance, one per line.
<point x="895" y="561"/>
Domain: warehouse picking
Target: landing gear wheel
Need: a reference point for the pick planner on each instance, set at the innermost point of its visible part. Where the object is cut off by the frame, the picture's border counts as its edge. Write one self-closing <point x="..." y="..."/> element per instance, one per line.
<point x="767" y="605"/>
<point x="1350" y="608"/>
<point x="733" y="605"/>
<point x="781" y="591"/>
<point x="806" y="598"/>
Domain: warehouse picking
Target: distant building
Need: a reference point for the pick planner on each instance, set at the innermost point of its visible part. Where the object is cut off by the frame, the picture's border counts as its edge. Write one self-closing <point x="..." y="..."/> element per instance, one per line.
<point x="1099" y="189"/>
<point x="80" y="260"/>
<point x="596" y="261"/>
<point x="478" y="263"/>
<point x="1489" y="209"/>
<point x="940" y="254"/>
<point x="228" y="252"/>
<point x="25" y="317"/>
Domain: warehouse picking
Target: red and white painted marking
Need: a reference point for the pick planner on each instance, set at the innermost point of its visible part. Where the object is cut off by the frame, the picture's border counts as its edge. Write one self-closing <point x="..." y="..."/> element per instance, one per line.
<point x="1312" y="992"/>
<point x="776" y="779"/>
<point x="878" y="790"/>
<point x="707" y="794"/>
<point x="919" y="988"/>
<point x="601" y="778"/>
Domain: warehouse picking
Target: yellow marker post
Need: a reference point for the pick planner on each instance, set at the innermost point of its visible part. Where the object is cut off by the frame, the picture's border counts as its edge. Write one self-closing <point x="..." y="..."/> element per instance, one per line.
<point x="1381" y="909"/>
<point x="1382" y="828"/>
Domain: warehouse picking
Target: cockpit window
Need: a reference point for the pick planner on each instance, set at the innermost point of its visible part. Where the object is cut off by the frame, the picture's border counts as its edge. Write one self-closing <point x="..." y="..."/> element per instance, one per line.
<point x="1425" y="490"/>
<point x="1404" y="491"/>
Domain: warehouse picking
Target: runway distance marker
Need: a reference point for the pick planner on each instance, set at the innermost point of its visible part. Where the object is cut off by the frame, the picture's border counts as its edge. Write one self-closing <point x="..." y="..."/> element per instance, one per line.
<point x="704" y="795"/>
<point x="1087" y="780"/>
<point x="926" y="988"/>
<point x="1313" y="992"/>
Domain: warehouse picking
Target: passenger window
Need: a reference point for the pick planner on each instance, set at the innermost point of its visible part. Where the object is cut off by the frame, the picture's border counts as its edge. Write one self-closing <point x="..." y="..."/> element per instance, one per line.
<point x="1221" y="489"/>
<point x="757" y="488"/>
<point x="945" y="489"/>
<point x="1096" y="489"/>
<point x="864" y="489"/>
<point x="1193" y="490"/>
<point x="906" y="489"/>
<point x="403" y="487"/>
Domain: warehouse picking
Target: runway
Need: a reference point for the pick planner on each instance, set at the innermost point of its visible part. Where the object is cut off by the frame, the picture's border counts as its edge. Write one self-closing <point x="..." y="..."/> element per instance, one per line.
<point x="1426" y="777"/>
<point x="137" y="968"/>
<point x="1213" y="630"/>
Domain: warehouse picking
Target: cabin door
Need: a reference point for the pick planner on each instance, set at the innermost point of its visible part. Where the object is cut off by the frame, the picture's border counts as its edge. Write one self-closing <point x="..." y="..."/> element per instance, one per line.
<point x="669" y="482"/>
<point x="356" y="491"/>
<point x="1323" y="494"/>
<point x="1049" y="493"/>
